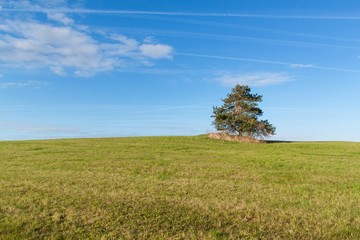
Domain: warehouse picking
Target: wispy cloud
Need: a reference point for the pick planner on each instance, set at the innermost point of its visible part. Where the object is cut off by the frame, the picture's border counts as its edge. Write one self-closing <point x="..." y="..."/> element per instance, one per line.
<point x="297" y="65"/>
<point x="60" y="17"/>
<point x="41" y="130"/>
<point x="156" y="51"/>
<point x="24" y="129"/>
<point x="268" y="62"/>
<point x="69" y="47"/>
<point x="62" y="48"/>
<point x="58" y="70"/>
<point x="192" y="14"/>
<point x="257" y="79"/>
<point x="32" y="84"/>
<point x="246" y="27"/>
<point x="203" y="35"/>
<point x="153" y="109"/>
<point x="232" y="58"/>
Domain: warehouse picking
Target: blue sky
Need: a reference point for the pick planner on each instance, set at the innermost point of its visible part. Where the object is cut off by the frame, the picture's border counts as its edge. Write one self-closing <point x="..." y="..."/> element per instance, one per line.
<point x="136" y="67"/>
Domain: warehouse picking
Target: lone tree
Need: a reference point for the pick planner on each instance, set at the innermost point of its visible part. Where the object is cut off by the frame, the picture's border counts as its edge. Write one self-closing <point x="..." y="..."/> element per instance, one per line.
<point x="240" y="115"/>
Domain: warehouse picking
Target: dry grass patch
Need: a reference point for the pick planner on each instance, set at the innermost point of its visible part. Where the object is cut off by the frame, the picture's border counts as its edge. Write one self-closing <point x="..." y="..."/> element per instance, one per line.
<point x="227" y="137"/>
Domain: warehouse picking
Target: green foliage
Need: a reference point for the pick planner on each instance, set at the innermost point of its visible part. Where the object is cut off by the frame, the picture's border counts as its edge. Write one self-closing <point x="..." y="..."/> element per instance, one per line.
<point x="178" y="188"/>
<point x="240" y="114"/>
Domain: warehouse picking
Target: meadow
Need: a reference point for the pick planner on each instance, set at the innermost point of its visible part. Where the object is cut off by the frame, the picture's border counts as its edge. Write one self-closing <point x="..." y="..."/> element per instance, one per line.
<point x="178" y="188"/>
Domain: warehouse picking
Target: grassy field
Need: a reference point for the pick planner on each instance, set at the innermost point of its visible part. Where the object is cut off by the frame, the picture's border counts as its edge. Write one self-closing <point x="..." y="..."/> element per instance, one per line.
<point x="178" y="188"/>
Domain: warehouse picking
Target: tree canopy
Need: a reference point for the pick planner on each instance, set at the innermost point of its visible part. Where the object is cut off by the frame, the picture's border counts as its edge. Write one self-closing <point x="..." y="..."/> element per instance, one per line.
<point x="239" y="115"/>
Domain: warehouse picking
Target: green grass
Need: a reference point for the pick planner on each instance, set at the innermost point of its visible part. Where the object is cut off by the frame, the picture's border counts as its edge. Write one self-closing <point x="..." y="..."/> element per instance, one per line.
<point x="178" y="188"/>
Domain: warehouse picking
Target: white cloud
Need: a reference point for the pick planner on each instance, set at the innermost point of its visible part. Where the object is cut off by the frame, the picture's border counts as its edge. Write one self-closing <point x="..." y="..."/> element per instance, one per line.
<point x="32" y="84"/>
<point x="42" y="44"/>
<point x="156" y="51"/>
<point x="254" y="79"/>
<point x="124" y="46"/>
<point x="4" y="28"/>
<point x="60" y="17"/>
<point x="65" y="47"/>
<point x="58" y="70"/>
<point x="69" y="47"/>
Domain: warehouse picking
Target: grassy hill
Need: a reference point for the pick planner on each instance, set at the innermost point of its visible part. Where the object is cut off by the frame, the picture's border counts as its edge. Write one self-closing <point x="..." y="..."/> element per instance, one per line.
<point x="178" y="188"/>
